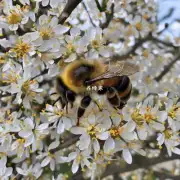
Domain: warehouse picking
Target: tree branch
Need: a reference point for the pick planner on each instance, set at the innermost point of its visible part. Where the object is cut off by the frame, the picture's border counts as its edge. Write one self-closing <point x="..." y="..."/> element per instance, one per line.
<point x="163" y="175"/>
<point x="138" y="162"/>
<point x="109" y="17"/>
<point x="67" y="142"/>
<point x="70" y="6"/>
<point x="132" y="51"/>
<point x="167" y="68"/>
<point x="138" y="44"/>
<point x="84" y="5"/>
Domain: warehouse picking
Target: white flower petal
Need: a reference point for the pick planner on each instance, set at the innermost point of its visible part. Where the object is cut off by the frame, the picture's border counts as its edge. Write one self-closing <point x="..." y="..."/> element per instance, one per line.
<point x="96" y="146"/>
<point x="75" y="166"/>
<point x="25" y="133"/>
<point x="45" y="2"/>
<point x="42" y="126"/>
<point x="72" y="156"/>
<point x="103" y="135"/>
<point x="29" y="140"/>
<point x="53" y="145"/>
<point x="127" y="156"/>
<point x="8" y="171"/>
<point x="142" y="133"/>
<point x="60" y="127"/>
<point x="109" y="145"/>
<point x="160" y="139"/>
<point x="130" y="126"/>
<point x="67" y="122"/>
<point x="158" y="126"/>
<point x="176" y="150"/>
<point x="46" y="161"/>
<point x="52" y="165"/>
<point x="29" y="122"/>
<point x="92" y="119"/>
<point x="162" y="116"/>
<point x="78" y="130"/>
<point x="84" y="141"/>
<point x="75" y="31"/>
<point x="21" y="171"/>
<point x="60" y="29"/>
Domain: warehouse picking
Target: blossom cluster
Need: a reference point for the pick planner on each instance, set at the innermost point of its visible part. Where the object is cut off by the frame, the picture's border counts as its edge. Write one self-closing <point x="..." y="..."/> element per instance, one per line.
<point x="37" y="136"/>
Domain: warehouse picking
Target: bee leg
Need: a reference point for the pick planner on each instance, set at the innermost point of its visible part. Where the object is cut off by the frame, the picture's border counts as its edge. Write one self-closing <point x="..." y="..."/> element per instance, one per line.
<point x="70" y="96"/>
<point x="122" y="104"/>
<point x="53" y="93"/>
<point x="58" y="99"/>
<point x="85" y="102"/>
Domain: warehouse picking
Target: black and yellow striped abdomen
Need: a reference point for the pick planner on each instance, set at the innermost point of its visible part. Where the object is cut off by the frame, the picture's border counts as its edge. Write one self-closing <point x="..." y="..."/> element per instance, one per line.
<point x="118" y="90"/>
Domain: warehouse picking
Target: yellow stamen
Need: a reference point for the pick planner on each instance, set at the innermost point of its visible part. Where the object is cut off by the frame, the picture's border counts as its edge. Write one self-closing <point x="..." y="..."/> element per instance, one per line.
<point x="14" y="17"/>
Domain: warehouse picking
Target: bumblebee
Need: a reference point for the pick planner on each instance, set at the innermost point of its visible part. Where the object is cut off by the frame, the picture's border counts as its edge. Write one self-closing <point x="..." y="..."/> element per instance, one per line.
<point x="78" y="75"/>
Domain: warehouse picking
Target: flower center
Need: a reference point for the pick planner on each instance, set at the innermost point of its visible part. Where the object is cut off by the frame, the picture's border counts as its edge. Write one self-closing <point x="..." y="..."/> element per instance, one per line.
<point x="26" y="88"/>
<point x="46" y="33"/>
<point x="173" y="112"/>
<point x="10" y="78"/>
<point x="168" y="134"/>
<point x="145" y="53"/>
<point x="139" y="26"/>
<point x="14" y="18"/>
<point x="114" y="132"/>
<point x="21" y="141"/>
<point x="21" y="49"/>
<point x="92" y="131"/>
<point x="148" y="116"/>
<point x="2" y="60"/>
<point x="95" y="44"/>
<point x="137" y="117"/>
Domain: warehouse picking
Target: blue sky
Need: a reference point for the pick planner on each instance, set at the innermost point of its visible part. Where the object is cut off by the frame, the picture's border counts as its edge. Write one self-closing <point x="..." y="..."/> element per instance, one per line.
<point x="164" y="6"/>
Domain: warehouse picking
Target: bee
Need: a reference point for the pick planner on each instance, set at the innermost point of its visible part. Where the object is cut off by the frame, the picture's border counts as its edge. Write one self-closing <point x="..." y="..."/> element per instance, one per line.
<point x="78" y="75"/>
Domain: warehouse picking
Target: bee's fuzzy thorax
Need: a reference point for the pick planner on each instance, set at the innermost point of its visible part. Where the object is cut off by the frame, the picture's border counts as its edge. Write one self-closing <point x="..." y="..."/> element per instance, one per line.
<point x="75" y="73"/>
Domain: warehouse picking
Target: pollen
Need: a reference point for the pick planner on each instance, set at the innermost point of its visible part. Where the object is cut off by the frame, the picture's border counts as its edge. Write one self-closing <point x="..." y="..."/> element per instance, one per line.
<point x="91" y="131"/>
<point x="14" y="18"/>
<point x="21" y="141"/>
<point x="145" y="53"/>
<point x="168" y="134"/>
<point x="129" y="31"/>
<point x="2" y="60"/>
<point x="26" y="87"/>
<point x="137" y="117"/>
<point x="21" y="49"/>
<point x="116" y="131"/>
<point x="173" y="112"/>
<point x="148" y="79"/>
<point x="10" y="78"/>
<point x="139" y="26"/>
<point x="70" y="47"/>
<point x="46" y="33"/>
<point x="95" y="44"/>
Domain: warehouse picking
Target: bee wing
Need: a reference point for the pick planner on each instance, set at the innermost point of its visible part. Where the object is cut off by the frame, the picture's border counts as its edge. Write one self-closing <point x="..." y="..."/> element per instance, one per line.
<point x="127" y="68"/>
<point x="119" y="69"/>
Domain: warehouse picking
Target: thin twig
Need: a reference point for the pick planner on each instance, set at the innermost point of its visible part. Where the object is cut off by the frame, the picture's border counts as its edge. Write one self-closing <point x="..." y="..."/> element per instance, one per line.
<point x="109" y="17"/>
<point x="45" y="71"/>
<point x="84" y="5"/>
<point x="69" y="7"/>
<point x="167" y="68"/>
<point x="68" y="142"/>
<point x="132" y="51"/>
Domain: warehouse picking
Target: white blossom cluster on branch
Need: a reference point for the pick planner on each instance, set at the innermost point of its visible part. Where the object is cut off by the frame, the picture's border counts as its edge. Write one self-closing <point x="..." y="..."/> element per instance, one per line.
<point x="39" y="137"/>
